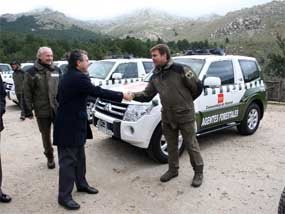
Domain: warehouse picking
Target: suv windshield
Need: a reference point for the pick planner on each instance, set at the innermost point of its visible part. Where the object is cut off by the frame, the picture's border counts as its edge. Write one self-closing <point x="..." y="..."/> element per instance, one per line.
<point x="5" y="68"/>
<point x="26" y="67"/>
<point x="100" y="69"/>
<point x="195" y="64"/>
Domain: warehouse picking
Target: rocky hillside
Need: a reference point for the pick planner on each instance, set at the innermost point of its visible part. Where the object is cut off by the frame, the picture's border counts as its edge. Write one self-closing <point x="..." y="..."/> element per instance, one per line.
<point x="47" y="19"/>
<point x="145" y="24"/>
<point x="49" y="23"/>
<point x="261" y="21"/>
<point x="264" y="19"/>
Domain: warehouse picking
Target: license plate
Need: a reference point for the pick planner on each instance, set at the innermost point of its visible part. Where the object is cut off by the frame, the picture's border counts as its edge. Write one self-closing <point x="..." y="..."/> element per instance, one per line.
<point x="103" y="127"/>
<point x="90" y="110"/>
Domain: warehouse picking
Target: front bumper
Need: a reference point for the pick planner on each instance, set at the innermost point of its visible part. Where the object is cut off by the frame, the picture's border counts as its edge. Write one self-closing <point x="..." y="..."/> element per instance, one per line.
<point x="136" y="133"/>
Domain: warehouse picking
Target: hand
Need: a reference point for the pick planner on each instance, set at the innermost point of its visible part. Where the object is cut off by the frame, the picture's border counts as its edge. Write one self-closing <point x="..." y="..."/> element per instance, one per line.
<point x="128" y="96"/>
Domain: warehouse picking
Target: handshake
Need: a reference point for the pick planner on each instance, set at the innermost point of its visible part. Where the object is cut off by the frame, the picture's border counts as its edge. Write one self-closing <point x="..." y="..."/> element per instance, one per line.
<point x="128" y="96"/>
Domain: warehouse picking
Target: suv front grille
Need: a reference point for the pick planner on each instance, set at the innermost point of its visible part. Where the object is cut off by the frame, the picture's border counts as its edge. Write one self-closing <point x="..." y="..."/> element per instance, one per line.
<point x="110" y="108"/>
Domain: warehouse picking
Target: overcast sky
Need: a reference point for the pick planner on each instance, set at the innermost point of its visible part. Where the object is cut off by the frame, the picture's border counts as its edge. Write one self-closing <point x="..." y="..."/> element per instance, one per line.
<point x="104" y="9"/>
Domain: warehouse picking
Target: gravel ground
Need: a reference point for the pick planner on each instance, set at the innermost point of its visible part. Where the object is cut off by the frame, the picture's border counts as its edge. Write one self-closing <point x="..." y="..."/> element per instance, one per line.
<point x="242" y="174"/>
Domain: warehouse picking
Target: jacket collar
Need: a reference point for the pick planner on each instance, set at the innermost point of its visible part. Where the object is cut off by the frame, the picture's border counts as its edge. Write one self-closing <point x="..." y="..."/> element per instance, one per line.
<point x="71" y="70"/>
<point x="19" y="70"/>
<point x="41" y="67"/>
<point x="163" y="68"/>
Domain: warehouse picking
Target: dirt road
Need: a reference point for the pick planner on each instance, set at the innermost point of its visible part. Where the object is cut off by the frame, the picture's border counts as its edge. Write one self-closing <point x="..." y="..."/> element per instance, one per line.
<point x="242" y="174"/>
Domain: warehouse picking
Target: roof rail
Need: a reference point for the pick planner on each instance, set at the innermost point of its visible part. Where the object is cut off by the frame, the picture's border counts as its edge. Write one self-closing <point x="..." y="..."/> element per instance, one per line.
<point x="205" y="51"/>
<point x="124" y="56"/>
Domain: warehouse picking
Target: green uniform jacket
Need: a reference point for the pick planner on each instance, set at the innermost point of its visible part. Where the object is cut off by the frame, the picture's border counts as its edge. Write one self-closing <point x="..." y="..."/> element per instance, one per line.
<point x="40" y="90"/>
<point x="176" y="85"/>
<point x="18" y="77"/>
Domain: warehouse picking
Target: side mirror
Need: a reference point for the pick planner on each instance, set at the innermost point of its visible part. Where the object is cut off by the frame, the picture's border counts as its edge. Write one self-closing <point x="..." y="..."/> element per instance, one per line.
<point x="212" y="82"/>
<point x="117" y="76"/>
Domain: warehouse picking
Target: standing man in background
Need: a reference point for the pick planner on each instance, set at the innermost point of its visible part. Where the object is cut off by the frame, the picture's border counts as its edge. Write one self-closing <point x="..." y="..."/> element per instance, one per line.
<point x="18" y="77"/>
<point x="4" y="198"/>
<point x="40" y="90"/>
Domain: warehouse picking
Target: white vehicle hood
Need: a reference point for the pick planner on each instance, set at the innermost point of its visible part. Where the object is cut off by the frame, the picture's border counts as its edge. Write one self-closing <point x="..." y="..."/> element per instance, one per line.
<point x="130" y="87"/>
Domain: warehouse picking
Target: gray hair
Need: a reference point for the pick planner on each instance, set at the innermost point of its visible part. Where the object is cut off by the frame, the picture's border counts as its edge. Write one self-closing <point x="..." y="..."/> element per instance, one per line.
<point x="42" y="50"/>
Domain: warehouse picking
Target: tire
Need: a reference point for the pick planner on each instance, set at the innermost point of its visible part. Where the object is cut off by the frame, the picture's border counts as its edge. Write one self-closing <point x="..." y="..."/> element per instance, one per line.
<point x="251" y="120"/>
<point x="281" y="207"/>
<point x="157" y="149"/>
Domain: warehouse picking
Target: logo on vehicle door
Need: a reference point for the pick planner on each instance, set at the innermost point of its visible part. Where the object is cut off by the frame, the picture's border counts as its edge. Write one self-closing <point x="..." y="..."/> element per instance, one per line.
<point x="220" y="98"/>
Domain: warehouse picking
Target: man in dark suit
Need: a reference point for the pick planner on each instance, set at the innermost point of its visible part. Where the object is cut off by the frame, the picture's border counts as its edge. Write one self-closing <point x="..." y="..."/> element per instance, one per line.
<point x="71" y="128"/>
<point x="3" y="197"/>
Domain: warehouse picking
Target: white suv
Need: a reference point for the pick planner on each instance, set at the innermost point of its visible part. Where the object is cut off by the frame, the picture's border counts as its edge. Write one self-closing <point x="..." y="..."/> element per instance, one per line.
<point x="233" y="95"/>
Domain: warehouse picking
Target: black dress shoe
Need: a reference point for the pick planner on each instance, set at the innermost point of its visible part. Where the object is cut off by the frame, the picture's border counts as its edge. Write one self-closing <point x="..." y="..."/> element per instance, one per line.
<point x="89" y="190"/>
<point x="5" y="198"/>
<point x="69" y="205"/>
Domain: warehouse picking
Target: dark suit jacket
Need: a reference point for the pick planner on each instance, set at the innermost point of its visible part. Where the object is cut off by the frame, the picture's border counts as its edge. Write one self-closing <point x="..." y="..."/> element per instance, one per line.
<point x="2" y="102"/>
<point x="71" y="126"/>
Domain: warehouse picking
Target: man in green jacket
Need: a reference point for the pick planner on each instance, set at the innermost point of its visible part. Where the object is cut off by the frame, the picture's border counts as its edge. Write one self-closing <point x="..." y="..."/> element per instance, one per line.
<point x="18" y="77"/>
<point x="177" y="87"/>
<point x="40" y="90"/>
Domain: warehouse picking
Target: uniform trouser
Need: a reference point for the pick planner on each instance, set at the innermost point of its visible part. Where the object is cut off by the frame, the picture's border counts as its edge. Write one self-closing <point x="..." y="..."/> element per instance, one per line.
<point x="22" y="103"/>
<point x="45" y="129"/>
<point x="72" y="169"/>
<point x="190" y="141"/>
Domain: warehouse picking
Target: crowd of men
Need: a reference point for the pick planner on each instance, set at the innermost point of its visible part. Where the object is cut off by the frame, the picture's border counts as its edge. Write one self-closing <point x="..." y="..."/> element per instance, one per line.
<point x="61" y="100"/>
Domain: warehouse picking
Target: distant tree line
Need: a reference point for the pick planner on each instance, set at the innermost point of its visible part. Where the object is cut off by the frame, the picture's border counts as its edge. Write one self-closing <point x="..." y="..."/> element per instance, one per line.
<point x="276" y="64"/>
<point x="23" y="47"/>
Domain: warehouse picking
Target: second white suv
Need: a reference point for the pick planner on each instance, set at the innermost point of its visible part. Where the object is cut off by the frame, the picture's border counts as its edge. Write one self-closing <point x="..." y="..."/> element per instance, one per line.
<point x="116" y="69"/>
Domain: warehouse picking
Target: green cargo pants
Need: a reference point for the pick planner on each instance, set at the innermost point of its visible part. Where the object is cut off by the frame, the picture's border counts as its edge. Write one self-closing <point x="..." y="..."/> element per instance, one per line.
<point x="22" y="103"/>
<point x="45" y="129"/>
<point x="187" y="131"/>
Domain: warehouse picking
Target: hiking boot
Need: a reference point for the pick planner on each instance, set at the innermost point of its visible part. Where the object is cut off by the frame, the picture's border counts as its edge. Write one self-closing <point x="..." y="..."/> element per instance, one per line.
<point x="168" y="175"/>
<point x="197" y="179"/>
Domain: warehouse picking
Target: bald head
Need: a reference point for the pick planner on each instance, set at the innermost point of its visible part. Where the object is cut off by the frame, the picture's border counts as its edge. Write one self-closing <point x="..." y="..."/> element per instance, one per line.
<point x="45" y="55"/>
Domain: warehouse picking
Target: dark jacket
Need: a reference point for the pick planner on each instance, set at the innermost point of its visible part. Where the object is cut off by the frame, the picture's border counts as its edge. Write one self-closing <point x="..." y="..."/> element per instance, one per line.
<point x="177" y="86"/>
<point x="71" y="126"/>
<point x="2" y="102"/>
<point x="40" y="89"/>
<point x="18" y="77"/>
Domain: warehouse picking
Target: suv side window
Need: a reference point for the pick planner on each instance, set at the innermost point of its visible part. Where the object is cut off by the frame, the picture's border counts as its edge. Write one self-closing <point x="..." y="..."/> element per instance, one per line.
<point x="148" y="66"/>
<point x="222" y="69"/>
<point x="249" y="69"/>
<point x="128" y="70"/>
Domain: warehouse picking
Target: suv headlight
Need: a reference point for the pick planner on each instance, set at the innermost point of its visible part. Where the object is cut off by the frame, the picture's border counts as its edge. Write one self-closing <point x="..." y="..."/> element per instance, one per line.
<point x="135" y="112"/>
